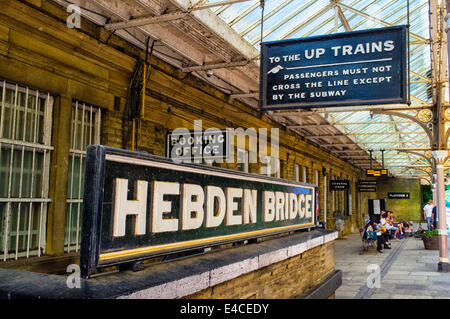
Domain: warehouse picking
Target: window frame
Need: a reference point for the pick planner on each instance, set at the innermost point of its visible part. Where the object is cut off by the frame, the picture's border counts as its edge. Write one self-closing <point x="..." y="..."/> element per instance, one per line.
<point x="80" y="154"/>
<point x="35" y="146"/>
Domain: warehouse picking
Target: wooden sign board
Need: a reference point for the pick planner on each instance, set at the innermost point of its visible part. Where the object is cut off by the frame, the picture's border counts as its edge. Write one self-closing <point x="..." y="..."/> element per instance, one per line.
<point x="138" y="206"/>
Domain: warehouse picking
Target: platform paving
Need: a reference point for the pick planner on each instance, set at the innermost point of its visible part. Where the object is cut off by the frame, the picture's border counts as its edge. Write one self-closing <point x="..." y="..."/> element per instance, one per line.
<point x="407" y="271"/>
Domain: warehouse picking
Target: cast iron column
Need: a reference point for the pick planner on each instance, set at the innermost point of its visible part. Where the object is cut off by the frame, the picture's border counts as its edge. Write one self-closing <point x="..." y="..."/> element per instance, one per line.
<point x="440" y="157"/>
<point x="439" y="143"/>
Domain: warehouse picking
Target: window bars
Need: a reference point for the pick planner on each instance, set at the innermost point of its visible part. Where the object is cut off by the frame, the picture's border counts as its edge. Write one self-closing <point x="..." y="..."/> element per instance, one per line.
<point x="272" y="168"/>
<point x="242" y="159"/>
<point x="297" y="172"/>
<point x="85" y="130"/>
<point x="25" y="149"/>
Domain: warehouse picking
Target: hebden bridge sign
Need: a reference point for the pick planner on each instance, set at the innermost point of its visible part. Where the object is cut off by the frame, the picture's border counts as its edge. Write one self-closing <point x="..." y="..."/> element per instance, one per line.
<point x="138" y="206"/>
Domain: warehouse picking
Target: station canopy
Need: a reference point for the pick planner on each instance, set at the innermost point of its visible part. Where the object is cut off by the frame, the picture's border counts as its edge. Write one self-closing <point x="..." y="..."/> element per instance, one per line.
<point x="219" y="42"/>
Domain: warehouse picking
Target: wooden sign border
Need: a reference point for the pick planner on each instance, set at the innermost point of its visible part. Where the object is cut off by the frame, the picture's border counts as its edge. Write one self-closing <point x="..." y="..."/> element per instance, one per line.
<point x="97" y="155"/>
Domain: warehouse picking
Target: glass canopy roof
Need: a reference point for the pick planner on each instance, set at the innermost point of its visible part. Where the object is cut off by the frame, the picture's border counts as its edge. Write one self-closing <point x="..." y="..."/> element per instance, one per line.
<point x="288" y="19"/>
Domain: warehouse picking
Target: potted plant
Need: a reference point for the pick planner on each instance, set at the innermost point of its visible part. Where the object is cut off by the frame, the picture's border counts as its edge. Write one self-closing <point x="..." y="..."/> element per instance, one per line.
<point x="431" y="239"/>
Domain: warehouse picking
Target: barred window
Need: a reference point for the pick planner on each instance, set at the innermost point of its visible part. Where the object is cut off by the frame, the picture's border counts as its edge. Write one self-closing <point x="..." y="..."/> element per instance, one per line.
<point x="25" y="149"/>
<point x="272" y="167"/>
<point x="297" y="172"/>
<point x="305" y="174"/>
<point x="316" y="178"/>
<point x="242" y="160"/>
<point x="85" y="130"/>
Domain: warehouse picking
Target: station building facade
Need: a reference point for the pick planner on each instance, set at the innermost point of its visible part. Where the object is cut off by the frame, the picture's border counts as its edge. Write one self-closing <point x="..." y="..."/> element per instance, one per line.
<point x="62" y="89"/>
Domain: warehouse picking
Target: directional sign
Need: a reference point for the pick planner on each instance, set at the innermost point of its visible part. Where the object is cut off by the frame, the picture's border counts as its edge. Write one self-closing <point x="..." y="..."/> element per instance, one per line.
<point x="376" y="172"/>
<point x="339" y="185"/>
<point x="190" y="145"/>
<point x="367" y="189"/>
<point x="367" y="183"/>
<point x="352" y="68"/>
<point x="398" y="195"/>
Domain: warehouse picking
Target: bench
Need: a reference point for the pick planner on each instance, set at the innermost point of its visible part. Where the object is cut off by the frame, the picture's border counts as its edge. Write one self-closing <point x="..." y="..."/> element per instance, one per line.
<point x="366" y="242"/>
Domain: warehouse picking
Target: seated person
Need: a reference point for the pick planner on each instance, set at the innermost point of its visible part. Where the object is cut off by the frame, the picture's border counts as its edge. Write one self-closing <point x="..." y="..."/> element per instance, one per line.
<point x="380" y="229"/>
<point x="367" y="231"/>
<point x="407" y="227"/>
<point x="384" y="223"/>
<point x="390" y="225"/>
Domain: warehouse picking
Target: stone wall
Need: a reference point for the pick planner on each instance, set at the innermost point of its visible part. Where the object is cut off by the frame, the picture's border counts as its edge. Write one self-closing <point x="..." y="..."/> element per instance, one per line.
<point x="403" y="209"/>
<point x="300" y="265"/>
<point x="286" y="279"/>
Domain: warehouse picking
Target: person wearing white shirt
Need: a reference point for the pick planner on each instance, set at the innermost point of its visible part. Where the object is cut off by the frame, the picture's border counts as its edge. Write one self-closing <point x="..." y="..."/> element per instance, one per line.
<point x="384" y="223"/>
<point x="428" y="213"/>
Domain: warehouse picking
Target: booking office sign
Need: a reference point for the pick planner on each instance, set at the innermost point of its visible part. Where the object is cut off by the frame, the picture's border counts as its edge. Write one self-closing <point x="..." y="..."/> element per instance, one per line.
<point x="352" y="68"/>
<point x="138" y="206"/>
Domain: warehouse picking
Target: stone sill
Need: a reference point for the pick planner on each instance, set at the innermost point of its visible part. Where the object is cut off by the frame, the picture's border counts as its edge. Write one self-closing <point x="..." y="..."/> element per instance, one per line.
<point x="174" y="279"/>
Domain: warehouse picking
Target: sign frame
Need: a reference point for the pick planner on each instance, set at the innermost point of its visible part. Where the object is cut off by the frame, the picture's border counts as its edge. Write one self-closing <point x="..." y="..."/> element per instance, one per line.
<point x="94" y="203"/>
<point x="367" y="183"/>
<point x="392" y="195"/>
<point x="382" y="172"/>
<point x="404" y="92"/>
<point x="366" y="189"/>
<point x="225" y="146"/>
<point x="345" y="185"/>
